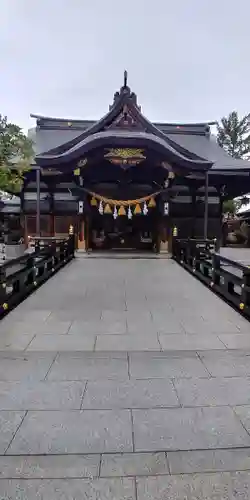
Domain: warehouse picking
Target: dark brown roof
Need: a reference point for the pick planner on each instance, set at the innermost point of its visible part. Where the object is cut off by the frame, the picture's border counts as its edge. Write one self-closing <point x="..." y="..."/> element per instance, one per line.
<point x="60" y="140"/>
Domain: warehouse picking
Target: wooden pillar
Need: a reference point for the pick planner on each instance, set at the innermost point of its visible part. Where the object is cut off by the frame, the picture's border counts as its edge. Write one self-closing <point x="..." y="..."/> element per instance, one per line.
<point x="52" y="225"/>
<point x="38" y="201"/>
<point x="86" y="234"/>
<point x="206" y="206"/>
<point x="193" y="228"/>
<point x="81" y="234"/>
<point x="25" y="230"/>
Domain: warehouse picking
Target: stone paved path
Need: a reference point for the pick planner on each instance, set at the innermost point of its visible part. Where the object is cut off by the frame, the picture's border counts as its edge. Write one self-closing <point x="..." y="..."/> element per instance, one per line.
<point x="124" y="380"/>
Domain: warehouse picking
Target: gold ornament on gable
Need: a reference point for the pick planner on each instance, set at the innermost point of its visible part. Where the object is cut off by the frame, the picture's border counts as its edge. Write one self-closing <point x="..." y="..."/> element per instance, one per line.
<point x="125" y="156"/>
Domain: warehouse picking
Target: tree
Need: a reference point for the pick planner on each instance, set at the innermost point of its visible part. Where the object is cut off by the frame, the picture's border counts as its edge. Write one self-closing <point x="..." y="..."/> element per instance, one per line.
<point x="234" y="135"/>
<point x="230" y="207"/>
<point x="16" y="154"/>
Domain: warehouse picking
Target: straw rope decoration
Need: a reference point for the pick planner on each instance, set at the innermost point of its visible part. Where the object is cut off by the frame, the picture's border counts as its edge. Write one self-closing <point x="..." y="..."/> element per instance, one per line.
<point x="122" y="203"/>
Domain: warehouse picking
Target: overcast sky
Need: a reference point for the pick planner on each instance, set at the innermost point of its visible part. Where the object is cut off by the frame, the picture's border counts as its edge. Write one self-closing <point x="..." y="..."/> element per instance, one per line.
<point x="187" y="60"/>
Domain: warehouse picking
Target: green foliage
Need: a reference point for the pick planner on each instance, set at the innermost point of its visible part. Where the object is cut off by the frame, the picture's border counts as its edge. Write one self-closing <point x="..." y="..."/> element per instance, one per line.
<point x="234" y="135"/>
<point x="232" y="206"/>
<point x="16" y="154"/>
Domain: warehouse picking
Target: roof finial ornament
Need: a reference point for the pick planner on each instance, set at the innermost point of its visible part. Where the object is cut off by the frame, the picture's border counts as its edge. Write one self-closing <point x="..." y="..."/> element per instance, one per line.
<point x="125" y="78"/>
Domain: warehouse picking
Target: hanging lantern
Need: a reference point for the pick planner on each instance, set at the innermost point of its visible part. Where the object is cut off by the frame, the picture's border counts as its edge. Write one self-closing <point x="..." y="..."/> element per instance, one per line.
<point x="130" y="215"/>
<point x="115" y="214"/>
<point x="107" y="209"/>
<point x="145" y="208"/>
<point x="152" y="203"/>
<point x="93" y="202"/>
<point x="122" y="210"/>
<point x="137" y="209"/>
<point x="175" y="231"/>
<point x="101" y="208"/>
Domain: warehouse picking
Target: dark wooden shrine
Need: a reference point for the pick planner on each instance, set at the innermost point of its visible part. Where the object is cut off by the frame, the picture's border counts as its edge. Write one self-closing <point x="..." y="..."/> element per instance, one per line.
<point x="125" y="182"/>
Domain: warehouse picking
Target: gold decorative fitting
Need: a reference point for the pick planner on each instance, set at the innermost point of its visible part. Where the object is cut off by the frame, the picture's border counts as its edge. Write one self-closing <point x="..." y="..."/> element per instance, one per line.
<point x="137" y="209"/>
<point x="5" y="306"/>
<point x="122" y="211"/>
<point x="93" y="202"/>
<point x="125" y="156"/>
<point x="107" y="209"/>
<point x="50" y="171"/>
<point x="77" y="171"/>
<point x="242" y="305"/>
<point x="151" y="203"/>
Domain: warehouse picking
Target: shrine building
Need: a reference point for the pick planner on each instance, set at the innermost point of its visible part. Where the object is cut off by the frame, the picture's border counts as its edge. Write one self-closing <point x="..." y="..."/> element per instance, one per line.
<point x="124" y="182"/>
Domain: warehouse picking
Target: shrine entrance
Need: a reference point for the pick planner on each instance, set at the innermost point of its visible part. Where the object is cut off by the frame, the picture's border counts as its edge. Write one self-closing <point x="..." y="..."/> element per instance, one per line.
<point x="137" y="233"/>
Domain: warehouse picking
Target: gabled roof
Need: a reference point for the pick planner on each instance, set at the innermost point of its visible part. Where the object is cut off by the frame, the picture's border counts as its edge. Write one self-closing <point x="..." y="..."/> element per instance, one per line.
<point x="190" y="145"/>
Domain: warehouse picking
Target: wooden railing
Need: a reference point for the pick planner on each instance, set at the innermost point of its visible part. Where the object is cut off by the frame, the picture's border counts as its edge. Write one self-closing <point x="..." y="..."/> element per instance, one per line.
<point x="224" y="276"/>
<point x="19" y="277"/>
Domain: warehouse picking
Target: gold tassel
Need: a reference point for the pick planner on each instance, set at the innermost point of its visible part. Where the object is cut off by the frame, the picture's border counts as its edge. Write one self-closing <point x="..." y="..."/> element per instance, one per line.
<point x="151" y="203"/>
<point x="137" y="209"/>
<point x="107" y="209"/>
<point x="122" y="211"/>
<point x="93" y="202"/>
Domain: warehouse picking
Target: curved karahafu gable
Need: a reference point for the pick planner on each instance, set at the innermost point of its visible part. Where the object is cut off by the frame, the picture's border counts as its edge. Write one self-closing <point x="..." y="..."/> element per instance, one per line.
<point x="112" y="138"/>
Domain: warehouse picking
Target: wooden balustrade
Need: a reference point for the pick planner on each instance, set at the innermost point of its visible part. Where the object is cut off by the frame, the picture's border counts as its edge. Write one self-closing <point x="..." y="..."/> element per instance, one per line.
<point x="20" y="277"/>
<point x="224" y="276"/>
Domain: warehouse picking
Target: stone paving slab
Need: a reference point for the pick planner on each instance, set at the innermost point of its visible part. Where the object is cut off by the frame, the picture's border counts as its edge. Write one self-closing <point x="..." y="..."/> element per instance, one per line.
<point x="243" y="412"/>
<point x="171" y="367"/>
<point x="49" y="466"/>
<point x="16" y="367"/>
<point x="133" y="464"/>
<point x="65" y="489"/>
<point x="61" y="343"/>
<point x="216" y="326"/>
<point x="9" y="424"/>
<point x="41" y="395"/>
<point x="34" y="316"/>
<point x="53" y="432"/>
<point x="16" y="341"/>
<point x="213" y="392"/>
<point x="223" y="486"/>
<point x="236" y="341"/>
<point x="98" y="327"/>
<point x="226" y="364"/>
<point x="82" y="313"/>
<point x="31" y="327"/>
<point x="128" y="343"/>
<point x="132" y="394"/>
<point x="188" y="429"/>
<point x="69" y="367"/>
<point x="190" y="462"/>
<point x="191" y="342"/>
